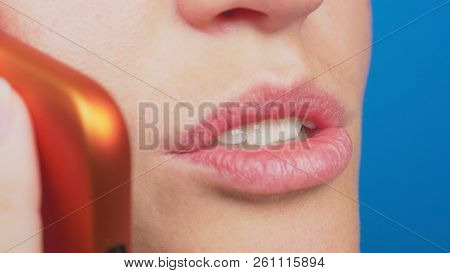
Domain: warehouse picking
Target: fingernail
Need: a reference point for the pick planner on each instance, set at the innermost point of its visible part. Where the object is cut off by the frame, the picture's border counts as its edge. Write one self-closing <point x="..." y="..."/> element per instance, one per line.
<point x="5" y="107"/>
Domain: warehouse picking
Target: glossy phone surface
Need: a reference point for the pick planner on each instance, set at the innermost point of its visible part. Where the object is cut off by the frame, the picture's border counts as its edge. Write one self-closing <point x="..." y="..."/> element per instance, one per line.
<point x="83" y="152"/>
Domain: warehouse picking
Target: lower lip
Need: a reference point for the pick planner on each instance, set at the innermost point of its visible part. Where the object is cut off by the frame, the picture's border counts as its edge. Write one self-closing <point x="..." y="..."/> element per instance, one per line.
<point x="278" y="169"/>
<point x="289" y="166"/>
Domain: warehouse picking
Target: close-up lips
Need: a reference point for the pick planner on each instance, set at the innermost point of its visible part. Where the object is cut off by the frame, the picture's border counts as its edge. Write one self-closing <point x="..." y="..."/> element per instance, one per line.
<point x="271" y="140"/>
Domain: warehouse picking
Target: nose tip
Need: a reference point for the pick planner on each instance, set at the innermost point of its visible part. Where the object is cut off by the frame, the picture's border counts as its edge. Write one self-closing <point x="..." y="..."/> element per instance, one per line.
<point x="269" y="15"/>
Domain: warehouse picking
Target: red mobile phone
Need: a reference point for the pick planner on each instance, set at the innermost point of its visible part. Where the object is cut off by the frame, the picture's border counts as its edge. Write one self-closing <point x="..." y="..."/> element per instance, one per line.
<point x="83" y="150"/>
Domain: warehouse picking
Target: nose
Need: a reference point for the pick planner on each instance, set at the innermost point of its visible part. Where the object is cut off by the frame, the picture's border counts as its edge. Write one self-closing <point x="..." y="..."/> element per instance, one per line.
<point x="269" y="15"/>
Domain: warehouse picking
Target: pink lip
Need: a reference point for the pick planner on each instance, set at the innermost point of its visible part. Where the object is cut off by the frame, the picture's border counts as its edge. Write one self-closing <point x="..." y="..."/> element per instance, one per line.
<point x="280" y="168"/>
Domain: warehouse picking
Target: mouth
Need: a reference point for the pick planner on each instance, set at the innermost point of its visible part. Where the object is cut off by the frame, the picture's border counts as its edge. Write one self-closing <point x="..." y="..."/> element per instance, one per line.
<point x="271" y="140"/>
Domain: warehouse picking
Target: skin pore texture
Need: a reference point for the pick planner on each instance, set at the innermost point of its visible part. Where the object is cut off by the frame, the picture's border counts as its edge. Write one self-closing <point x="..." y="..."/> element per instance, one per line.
<point x="193" y="51"/>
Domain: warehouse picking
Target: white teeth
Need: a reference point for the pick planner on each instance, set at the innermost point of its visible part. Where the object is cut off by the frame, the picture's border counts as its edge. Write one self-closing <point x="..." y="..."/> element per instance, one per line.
<point x="261" y="133"/>
<point x="235" y="136"/>
<point x="309" y="124"/>
<point x="264" y="133"/>
<point x="289" y="129"/>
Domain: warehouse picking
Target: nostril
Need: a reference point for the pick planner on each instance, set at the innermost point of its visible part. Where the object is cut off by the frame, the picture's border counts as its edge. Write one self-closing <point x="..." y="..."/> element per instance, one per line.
<point x="268" y="16"/>
<point x="241" y="14"/>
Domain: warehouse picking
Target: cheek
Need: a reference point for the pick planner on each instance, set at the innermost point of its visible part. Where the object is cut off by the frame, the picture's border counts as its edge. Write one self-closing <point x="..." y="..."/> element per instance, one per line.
<point x="20" y="25"/>
<point x="338" y="36"/>
<point x="340" y="31"/>
<point x="8" y="17"/>
<point x="350" y="39"/>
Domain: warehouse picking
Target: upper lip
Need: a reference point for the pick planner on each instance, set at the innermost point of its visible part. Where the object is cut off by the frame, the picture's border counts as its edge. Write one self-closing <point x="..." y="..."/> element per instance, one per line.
<point x="264" y="171"/>
<point x="261" y="103"/>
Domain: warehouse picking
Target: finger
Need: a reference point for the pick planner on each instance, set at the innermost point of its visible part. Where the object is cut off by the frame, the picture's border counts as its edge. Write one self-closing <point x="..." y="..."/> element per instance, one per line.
<point x="20" y="222"/>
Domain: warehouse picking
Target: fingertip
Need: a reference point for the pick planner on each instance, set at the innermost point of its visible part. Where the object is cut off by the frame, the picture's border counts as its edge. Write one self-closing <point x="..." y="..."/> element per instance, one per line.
<point x="19" y="176"/>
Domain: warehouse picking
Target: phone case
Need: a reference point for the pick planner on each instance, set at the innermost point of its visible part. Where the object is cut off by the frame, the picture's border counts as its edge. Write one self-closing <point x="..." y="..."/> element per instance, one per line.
<point x="83" y="150"/>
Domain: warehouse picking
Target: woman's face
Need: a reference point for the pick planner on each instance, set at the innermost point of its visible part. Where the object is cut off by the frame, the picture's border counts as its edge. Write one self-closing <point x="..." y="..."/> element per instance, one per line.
<point x="198" y="51"/>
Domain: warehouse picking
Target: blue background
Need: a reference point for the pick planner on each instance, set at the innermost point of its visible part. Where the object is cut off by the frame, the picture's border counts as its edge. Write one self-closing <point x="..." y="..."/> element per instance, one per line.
<point x="405" y="167"/>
